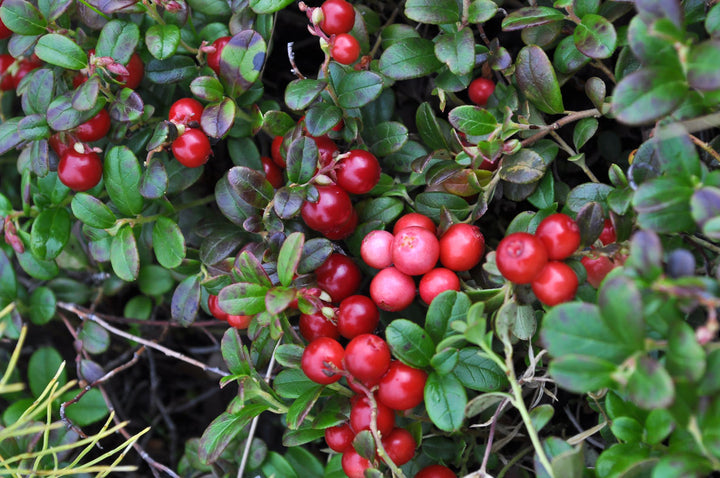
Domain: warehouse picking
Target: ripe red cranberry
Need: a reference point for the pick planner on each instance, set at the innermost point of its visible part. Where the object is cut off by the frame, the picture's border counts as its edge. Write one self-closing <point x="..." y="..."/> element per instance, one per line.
<point x="415" y="250"/>
<point x="345" y="49"/>
<point x="61" y="143"/>
<point x="556" y="283"/>
<point x="402" y="387"/>
<point x="392" y="290"/>
<point x="343" y="231"/>
<point x="480" y="90"/>
<point x="317" y="357"/>
<point x="520" y="257"/>
<point x="136" y="70"/>
<point x="339" y="276"/>
<point x="608" y="236"/>
<point x="192" y="148"/>
<point x="376" y="249"/>
<point x="276" y="151"/>
<point x="272" y="172"/>
<point x="560" y="234"/>
<point x="239" y="321"/>
<point x="338" y="17"/>
<point x="94" y="129"/>
<point x="213" y="59"/>
<point x="597" y="268"/>
<point x="414" y="219"/>
<point x="360" y="416"/>
<point x="214" y="307"/>
<point x="80" y="171"/>
<point x="313" y="326"/>
<point x="436" y="282"/>
<point x="367" y="357"/>
<point x="6" y="84"/>
<point x="26" y="66"/>
<point x="357" y="315"/>
<point x="326" y="149"/>
<point x="436" y="471"/>
<point x="461" y="247"/>
<point x="339" y="438"/>
<point x="332" y="209"/>
<point x="358" y="172"/>
<point x="400" y="446"/>
<point x="353" y="464"/>
<point x="185" y="111"/>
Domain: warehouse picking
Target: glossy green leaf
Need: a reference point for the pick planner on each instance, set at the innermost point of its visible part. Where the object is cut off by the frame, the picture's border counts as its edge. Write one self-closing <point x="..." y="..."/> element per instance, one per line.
<point x="703" y="66"/>
<point x="217" y="119"/>
<point x="174" y="69"/>
<point x="50" y="232"/>
<point x="582" y="373"/>
<point x="434" y="12"/>
<point x="650" y="385"/>
<point x="243" y="298"/>
<point x="445" y="401"/>
<point x="446" y="308"/>
<point x="94" y="338"/>
<point x="473" y="120"/>
<point x="92" y="211"/>
<point x="302" y="160"/>
<point x="567" y="58"/>
<point x="22" y="17"/>
<point x="241" y="60"/>
<point x="185" y="302"/>
<point x="663" y="205"/>
<point x="584" y="130"/>
<point x="300" y="93"/>
<point x="207" y="88"/>
<point x="122" y="180"/>
<point x="124" y="255"/>
<point x="118" y="40"/>
<point x="524" y="167"/>
<point x="477" y="371"/>
<point x="251" y="186"/>
<point x="162" y="40"/>
<point x="89" y="409"/>
<point x="685" y="356"/>
<point x="59" y="50"/>
<point x="457" y="51"/>
<point x="385" y="138"/>
<point x="621" y="309"/>
<point x="43" y="365"/>
<point x="537" y="80"/>
<point x="410" y="343"/>
<point x="595" y="36"/>
<point x="530" y="16"/>
<point x="358" y="88"/>
<point x="289" y="257"/>
<point x="168" y="242"/>
<point x="647" y="95"/>
<point x="268" y="6"/>
<point x="409" y="58"/>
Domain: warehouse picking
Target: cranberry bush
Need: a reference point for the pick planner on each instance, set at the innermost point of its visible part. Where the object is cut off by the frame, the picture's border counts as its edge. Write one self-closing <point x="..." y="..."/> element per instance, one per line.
<point x="432" y="238"/>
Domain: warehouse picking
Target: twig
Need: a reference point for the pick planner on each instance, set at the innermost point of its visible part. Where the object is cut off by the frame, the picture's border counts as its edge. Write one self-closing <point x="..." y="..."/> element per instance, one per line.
<point x="705" y="147"/>
<point x="572" y="117"/>
<point x="84" y="314"/>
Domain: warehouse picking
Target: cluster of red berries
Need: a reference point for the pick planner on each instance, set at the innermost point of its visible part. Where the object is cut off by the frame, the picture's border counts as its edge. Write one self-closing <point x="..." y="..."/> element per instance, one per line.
<point x="382" y="386"/>
<point x="11" y="76"/>
<point x="237" y="321"/>
<point x="192" y="148"/>
<point x="338" y="18"/>
<point x="524" y="258"/>
<point x="413" y="249"/>
<point x="356" y="172"/>
<point x="597" y="265"/>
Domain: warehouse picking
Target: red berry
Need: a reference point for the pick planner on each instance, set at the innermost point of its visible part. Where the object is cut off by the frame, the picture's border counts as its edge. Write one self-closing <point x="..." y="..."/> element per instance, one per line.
<point x="400" y="446"/>
<point x="480" y="90"/>
<point x="560" y="234"/>
<point x="185" y="111"/>
<point x="192" y="148"/>
<point x="136" y="70"/>
<point x="357" y="315"/>
<point x="367" y="358"/>
<point x="597" y="268"/>
<point x="436" y="471"/>
<point x="402" y="387"/>
<point x="94" y="129"/>
<point x="353" y="464"/>
<point x="272" y="172"/>
<point x="80" y="171"/>
<point x="215" y="309"/>
<point x="338" y="276"/>
<point x="313" y="326"/>
<point x="239" y="321"/>
<point x="608" y="236"/>
<point x="58" y="143"/>
<point x="345" y="49"/>
<point x="414" y="219"/>
<point x="5" y="32"/>
<point x="326" y="149"/>
<point x="338" y="17"/>
<point x="213" y="59"/>
<point x="339" y="438"/>
<point x="415" y="250"/>
<point x="316" y="357"/>
<point x="556" y="283"/>
<point x="25" y="67"/>
<point x="520" y="257"/>
<point x="358" y="172"/>
<point x="461" y="247"/>
<point x="6" y="84"/>
<point x="376" y="249"/>
<point x="332" y="209"/>
<point x="436" y="282"/>
<point x="392" y="290"/>
<point x="276" y="151"/>
<point x="343" y="231"/>
<point x="360" y="416"/>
